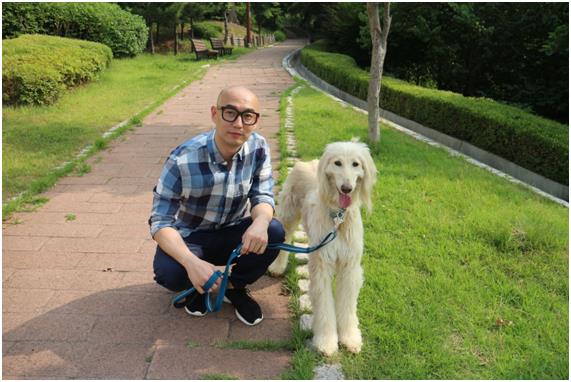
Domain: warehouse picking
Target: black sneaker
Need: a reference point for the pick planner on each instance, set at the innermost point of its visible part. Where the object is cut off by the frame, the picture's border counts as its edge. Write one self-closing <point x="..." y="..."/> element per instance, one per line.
<point x="246" y="308"/>
<point x="195" y="305"/>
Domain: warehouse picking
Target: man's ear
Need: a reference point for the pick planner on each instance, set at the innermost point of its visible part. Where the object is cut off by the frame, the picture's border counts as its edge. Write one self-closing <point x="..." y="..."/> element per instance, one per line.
<point x="213" y="113"/>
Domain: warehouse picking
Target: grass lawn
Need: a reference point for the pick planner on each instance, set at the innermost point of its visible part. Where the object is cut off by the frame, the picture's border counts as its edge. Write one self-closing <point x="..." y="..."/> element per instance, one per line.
<point x="466" y="274"/>
<point x="38" y="139"/>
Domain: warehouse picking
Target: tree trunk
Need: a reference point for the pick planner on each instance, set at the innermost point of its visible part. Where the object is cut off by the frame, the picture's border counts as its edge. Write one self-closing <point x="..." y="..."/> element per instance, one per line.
<point x="225" y="27"/>
<point x="248" y="26"/>
<point x="152" y="39"/>
<point x="379" y="39"/>
<point x="157" y="35"/>
<point x="181" y="31"/>
<point x="175" y="39"/>
<point x="191" y="28"/>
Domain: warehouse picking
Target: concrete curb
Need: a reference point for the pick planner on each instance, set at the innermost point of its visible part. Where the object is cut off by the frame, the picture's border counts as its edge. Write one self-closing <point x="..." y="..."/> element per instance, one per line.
<point x="495" y="164"/>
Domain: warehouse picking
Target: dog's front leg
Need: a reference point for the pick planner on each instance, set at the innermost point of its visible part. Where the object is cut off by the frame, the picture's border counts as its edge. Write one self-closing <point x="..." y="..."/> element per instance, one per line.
<point x="348" y="283"/>
<point x="321" y="295"/>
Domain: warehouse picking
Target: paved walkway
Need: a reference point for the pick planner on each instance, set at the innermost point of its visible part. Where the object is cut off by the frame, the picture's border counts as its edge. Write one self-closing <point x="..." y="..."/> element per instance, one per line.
<point x="79" y="299"/>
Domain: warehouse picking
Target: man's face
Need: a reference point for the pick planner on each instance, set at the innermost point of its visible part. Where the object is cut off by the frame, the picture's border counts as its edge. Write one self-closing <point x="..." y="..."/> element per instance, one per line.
<point x="242" y="106"/>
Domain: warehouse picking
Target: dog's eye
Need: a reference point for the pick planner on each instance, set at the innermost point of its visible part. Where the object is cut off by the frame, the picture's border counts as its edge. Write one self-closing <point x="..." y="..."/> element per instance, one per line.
<point x="338" y="163"/>
<point x="355" y="164"/>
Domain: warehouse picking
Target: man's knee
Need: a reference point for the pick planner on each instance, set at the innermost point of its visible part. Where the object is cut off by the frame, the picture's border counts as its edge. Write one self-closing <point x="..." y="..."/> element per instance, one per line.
<point x="169" y="273"/>
<point x="276" y="232"/>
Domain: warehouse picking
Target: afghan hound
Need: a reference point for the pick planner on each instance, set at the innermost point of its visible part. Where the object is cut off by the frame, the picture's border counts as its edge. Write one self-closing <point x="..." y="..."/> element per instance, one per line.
<point x="314" y="192"/>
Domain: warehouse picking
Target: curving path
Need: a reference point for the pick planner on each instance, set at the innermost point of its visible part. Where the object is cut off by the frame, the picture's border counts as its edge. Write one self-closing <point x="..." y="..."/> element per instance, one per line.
<point x="79" y="300"/>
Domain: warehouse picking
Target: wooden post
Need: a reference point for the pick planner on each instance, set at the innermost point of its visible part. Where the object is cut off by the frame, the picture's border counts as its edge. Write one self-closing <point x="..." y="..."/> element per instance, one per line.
<point x="248" y="26"/>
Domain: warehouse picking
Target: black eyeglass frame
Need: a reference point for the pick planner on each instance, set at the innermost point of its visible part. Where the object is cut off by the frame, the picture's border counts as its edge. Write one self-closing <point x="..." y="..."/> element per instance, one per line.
<point x="238" y="114"/>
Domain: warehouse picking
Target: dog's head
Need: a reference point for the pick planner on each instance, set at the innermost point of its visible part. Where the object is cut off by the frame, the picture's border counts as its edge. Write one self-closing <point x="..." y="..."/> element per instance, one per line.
<point x="346" y="174"/>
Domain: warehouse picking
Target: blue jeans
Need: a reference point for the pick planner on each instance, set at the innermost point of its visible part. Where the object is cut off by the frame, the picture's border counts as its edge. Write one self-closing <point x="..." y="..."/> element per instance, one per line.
<point x="215" y="246"/>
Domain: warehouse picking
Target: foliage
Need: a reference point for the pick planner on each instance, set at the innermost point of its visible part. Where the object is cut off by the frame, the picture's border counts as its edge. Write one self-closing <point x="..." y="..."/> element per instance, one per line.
<point x="265" y="15"/>
<point x="466" y="274"/>
<point x="36" y="69"/>
<point x="207" y="30"/>
<point x="279" y="35"/>
<point x="513" y="52"/>
<point x="535" y="143"/>
<point x="106" y="23"/>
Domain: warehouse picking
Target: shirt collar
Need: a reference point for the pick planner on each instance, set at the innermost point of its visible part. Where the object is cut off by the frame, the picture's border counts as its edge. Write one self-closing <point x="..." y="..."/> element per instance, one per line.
<point x="215" y="155"/>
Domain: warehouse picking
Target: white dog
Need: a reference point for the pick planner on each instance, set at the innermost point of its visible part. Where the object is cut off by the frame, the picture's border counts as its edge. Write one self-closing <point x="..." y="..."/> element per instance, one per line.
<point x="314" y="192"/>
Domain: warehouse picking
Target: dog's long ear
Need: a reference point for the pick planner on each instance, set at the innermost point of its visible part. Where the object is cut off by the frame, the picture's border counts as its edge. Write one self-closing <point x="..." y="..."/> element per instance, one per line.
<point x="369" y="179"/>
<point x="323" y="183"/>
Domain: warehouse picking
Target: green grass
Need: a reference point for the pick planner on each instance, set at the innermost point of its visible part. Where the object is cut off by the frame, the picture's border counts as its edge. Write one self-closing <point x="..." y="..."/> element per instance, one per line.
<point x="267" y="345"/>
<point x="216" y="376"/>
<point x="466" y="274"/>
<point x="36" y="140"/>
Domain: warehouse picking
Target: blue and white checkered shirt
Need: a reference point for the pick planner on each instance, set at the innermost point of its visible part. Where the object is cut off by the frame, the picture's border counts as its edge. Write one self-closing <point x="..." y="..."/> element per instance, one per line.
<point x="197" y="190"/>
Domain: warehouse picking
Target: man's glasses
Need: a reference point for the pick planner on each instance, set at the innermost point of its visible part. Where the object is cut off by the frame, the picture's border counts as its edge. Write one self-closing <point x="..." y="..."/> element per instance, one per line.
<point x="230" y="114"/>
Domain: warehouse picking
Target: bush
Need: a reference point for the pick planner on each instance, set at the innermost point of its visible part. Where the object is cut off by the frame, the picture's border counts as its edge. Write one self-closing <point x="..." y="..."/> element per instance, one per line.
<point x="126" y="34"/>
<point x="206" y="30"/>
<point x="37" y="69"/>
<point x="533" y="142"/>
<point x="279" y="35"/>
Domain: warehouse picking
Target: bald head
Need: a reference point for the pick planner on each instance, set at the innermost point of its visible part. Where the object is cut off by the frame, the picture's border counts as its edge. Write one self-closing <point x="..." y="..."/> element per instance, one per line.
<point x="237" y="94"/>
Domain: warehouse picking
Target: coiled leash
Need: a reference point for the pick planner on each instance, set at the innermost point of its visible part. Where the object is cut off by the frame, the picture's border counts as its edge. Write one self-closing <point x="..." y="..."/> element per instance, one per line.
<point x="177" y="301"/>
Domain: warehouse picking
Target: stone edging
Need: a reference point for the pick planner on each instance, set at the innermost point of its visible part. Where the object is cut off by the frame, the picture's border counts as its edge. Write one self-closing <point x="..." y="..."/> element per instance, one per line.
<point x="325" y="371"/>
<point x="491" y="162"/>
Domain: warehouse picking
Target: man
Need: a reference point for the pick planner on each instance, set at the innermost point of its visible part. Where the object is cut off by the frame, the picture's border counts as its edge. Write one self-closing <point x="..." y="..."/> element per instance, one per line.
<point x="200" y="202"/>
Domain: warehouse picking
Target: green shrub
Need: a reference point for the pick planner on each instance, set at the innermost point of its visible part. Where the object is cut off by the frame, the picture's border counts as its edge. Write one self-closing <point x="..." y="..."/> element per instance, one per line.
<point x="279" y="35"/>
<point x="36" y="69"/>
<point x="126" y="34"/>
<point x="533" y="142"/>
<point x="206" y="30"/>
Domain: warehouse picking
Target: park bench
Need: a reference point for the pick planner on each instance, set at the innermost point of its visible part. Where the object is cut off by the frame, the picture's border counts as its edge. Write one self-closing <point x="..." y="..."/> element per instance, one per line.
<point x="218" y="44"/>
<point x="202" y="50"/>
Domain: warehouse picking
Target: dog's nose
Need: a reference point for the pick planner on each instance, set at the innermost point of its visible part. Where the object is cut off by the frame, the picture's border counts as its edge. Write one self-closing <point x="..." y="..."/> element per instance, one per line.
<point x="346" y="189"/>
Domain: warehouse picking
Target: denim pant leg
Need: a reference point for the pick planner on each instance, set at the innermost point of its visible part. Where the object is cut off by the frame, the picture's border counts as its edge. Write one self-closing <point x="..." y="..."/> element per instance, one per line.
<point x="215" y="247"/>
<point x="251" y="267"/>
<point x="169" y="273"/>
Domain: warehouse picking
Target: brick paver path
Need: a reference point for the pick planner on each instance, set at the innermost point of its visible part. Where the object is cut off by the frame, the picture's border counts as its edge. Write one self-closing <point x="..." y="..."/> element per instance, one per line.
<point x="79" y="300"/>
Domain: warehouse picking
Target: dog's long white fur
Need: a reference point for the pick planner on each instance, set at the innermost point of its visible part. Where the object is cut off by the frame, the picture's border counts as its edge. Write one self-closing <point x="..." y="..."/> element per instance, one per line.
<point x="310" y="194"/>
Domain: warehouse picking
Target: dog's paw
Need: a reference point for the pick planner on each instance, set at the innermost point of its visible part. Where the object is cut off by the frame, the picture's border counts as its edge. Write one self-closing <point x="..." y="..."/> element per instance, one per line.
<point x="325" y="345"/>
<point x="278" y="267"/>
<point x="276" y="271"/>
<point x="352" y="342"/>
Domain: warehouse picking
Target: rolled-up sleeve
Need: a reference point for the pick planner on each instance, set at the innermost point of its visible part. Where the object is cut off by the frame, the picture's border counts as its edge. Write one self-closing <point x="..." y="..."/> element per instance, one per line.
<point x="263" y="183"/>
<point x="166" y="197"/>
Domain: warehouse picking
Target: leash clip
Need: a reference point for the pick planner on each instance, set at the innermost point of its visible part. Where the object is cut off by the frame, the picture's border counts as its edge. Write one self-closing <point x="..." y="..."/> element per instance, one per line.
<point x="339" y="217"/>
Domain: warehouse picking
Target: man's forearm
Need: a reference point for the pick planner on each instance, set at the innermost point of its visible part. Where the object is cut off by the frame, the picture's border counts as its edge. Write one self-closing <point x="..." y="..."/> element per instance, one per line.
<point x="263" y="212"/>
<point x="172" y="243"/>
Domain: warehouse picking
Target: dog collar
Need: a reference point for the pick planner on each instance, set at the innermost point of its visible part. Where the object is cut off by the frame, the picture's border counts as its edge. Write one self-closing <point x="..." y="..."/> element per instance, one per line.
<point x="338" y="217"/>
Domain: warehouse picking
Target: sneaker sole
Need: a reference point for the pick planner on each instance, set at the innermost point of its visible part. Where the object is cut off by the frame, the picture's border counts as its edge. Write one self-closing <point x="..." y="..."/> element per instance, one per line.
<point x="258" y="320"/>
<point x="195" y="314"/>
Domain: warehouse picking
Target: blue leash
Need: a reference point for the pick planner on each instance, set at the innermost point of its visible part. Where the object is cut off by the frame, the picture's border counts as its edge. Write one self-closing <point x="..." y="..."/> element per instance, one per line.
<point x="232" y="259"/>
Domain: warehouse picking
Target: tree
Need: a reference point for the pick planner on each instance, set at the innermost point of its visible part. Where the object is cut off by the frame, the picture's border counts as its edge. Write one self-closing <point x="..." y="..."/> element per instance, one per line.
<point x="379" y="38"/>
<point x="266" y="14"/>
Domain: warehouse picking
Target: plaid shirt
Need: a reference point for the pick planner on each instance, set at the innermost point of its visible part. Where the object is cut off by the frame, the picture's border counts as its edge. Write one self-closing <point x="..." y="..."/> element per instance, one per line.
<point x="197" y="190"/>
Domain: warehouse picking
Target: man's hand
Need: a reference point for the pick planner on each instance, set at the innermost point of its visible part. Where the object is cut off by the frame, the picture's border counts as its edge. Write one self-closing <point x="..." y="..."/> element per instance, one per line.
<point x="255" y="239"/>
<point x="199" y="272"/>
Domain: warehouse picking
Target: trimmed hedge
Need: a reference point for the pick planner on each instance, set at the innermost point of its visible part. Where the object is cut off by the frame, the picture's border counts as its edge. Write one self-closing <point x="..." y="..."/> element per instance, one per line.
<point x="533" y="142"/>
<point x="37" y="69"/>
<point x="125" y="33"/>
